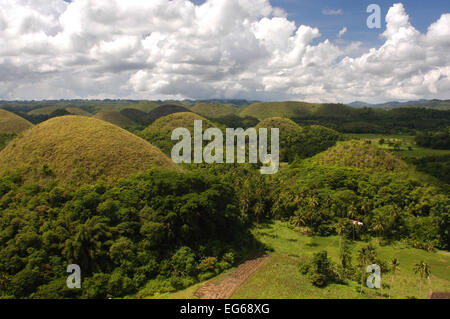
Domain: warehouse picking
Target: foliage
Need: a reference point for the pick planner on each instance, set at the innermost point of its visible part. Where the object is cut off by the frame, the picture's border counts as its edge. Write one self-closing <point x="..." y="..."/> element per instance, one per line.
<point x="123" y="234"/>
<point x="437" y="140"/>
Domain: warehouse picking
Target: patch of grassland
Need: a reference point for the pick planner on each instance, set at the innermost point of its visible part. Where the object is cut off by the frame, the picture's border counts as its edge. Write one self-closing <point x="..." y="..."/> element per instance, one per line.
<point x="189" y="292"/>
<point x="280" y="277"/>
<point x="11" y="123"/>
<point x="408" y="148"/>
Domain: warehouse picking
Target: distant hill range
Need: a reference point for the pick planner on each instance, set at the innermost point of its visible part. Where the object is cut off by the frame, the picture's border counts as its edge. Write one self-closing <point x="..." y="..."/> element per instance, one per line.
<point x="428" y="104"/>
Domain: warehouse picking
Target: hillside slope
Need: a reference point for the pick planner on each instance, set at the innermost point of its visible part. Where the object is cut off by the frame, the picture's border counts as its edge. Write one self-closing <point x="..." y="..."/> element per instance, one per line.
<point x="214" y="110"/>
<point x="160" y="132"/>
<point x="12" y="123"/>
<point x="287" y="109"/>
<point x="360" y="154"/>
<point x="165" y="110"/>
<point x="115" y="118"/>
<point x="77" y="149"/>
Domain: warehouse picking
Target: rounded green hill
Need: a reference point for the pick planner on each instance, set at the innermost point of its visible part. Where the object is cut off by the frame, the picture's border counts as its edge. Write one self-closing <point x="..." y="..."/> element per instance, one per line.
<point x="362" y="155"/>
<point x="300" y="141"/>
<point x="11" y="123"/>
<point x="115" y="118"/>
<point x="78" y="149"/>
<point x="266" y="110"/>
<point x="214" y="110"/>
<point x="159" y="133"/>
<point x="164" y="110"/>
<point x="285" y="125"/>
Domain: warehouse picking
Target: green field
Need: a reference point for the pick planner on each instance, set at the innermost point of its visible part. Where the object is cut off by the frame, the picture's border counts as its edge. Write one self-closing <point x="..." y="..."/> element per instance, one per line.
<point x="408" y="148"/>
<point x="279" y="277"/>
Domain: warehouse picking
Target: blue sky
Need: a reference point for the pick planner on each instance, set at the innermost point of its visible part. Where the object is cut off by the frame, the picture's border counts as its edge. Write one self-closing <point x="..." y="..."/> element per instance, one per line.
<point x="422" y="14"/>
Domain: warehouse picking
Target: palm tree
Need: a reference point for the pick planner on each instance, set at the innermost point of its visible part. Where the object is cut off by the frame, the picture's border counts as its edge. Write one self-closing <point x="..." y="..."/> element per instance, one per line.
<point x="395" y="265"/>
<point x="340" y="228"/>
<point x="424" y="271"/>
<point x="378" y="226"/>
<point x="258" y="209"/>
<point x="364" y="259"/>
<point x="427" y="272"/>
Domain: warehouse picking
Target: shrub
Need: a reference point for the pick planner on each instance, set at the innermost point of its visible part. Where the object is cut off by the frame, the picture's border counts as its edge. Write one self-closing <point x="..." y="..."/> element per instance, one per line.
<point x="205" y="276"/>
<point x="304" y="267"/>
<point x="318" y="280"/>
<point x="207" y="264"/>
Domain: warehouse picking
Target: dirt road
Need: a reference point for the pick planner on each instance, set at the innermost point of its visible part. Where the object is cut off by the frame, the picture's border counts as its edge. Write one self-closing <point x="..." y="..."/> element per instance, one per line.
<point x="226" y="288"/>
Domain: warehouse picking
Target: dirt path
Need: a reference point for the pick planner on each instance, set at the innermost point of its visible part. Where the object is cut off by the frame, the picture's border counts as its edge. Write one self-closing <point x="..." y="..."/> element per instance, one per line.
<point x="226" y="288"/>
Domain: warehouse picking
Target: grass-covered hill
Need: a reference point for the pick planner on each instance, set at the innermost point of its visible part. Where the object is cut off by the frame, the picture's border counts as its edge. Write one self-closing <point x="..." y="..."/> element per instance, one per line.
<point x="288" y="109"/>
<point x="159" y="133"/>
<point x="75" y="149"/>
<point x="300" y="141"/>
<point x="137" y="116"/>
<point x="77" y="111"/>
<point x="12" y="123"/>
<point x="164" y="110"/>
<point x="362" y="155"/>
<point x="115" y="118"/>
<point x="144" y="106"/>
<point x="214" y="110"/>
<point x="47" y="110"/>
<point x="286" y="126"/>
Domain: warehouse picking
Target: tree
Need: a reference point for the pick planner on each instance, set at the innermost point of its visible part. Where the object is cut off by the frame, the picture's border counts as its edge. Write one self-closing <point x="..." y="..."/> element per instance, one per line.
<point x="377" y="225"/>
<point x="424" y="271"/>
<point x="340" y="228"/>
<point x="365" y="256"/>
<point x="395" y="265"/>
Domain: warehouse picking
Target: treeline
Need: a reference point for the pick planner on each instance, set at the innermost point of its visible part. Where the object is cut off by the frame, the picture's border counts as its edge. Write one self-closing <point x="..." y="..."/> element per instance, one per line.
<point x="437" y="166"/>
<point x="370" y="120"/>
<point x="436" y="139"/>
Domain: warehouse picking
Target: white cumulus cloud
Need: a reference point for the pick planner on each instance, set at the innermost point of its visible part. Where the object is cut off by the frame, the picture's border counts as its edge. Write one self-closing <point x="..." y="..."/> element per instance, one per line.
<point x="219" y="49"/>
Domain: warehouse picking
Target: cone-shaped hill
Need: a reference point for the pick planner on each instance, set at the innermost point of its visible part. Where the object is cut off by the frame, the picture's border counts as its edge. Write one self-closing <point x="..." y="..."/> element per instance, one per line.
<point x="300" y="141"/>
<point x="360" y="154"/>
<point x="159" y="133"/>
<point x="115" y="118"/>
<point x="294" y="110"/>
<point x="266" y="110"/>
<point x="136" y="116"/>
<point x="78" y="149"/>
<point x="286" y="126"/>
<point x="214" y="110"/>
<point x="165" y="110"/>
<point x="12" y="123"/>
